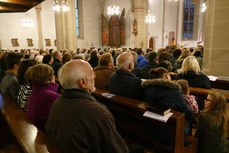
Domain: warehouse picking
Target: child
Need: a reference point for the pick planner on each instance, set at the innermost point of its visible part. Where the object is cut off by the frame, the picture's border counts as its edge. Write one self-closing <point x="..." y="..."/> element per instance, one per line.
<point x="190" y="99"/>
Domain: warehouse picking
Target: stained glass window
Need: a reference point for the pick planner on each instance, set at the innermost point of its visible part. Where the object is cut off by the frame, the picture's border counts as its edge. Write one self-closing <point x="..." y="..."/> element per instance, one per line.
<point x="188" y="19"/>
<point x="77" y="19"/>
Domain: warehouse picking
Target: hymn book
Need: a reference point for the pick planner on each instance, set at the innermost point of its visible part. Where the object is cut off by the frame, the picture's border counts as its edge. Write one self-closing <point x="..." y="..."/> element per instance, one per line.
<point x="157" y="116"/>
<point x="157" y="110"/>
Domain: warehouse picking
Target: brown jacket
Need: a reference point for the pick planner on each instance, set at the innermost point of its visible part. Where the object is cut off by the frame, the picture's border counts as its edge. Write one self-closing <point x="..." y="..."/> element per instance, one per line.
<point x="103" y="75"/>
<point x="77" y="123"/>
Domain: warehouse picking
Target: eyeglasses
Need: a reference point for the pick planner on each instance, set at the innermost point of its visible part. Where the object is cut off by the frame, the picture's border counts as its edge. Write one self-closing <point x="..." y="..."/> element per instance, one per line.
<point x="207" y="100"/>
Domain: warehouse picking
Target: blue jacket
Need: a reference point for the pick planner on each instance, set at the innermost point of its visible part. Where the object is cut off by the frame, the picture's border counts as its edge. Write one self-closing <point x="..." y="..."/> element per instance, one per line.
<point x="126" y="84"/>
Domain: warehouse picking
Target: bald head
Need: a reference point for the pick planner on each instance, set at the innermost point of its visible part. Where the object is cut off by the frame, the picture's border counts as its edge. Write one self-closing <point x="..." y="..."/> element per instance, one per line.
<point x="125" y="61"/>
<point x="77" y="74"/>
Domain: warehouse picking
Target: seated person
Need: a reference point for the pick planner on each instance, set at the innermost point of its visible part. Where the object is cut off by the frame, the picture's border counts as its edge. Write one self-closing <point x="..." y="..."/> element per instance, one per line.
<point x="190" y="99"/>
<point x="25" y="88"/>
<point x="57" y="62"/>
<point x="151" y="65"/>
<point x="162" y="92"/>
<point x="136" y="70"/>
<point x="212" y="128"/>
<point x="9" y="83"/>
<point x="191" y="72"/>
<point x="164" y="62"/>
<point x="103" y="71"/>
<point x="180" y="60"/>
<point x="141" y="59"/>
<point x="77" y="123"/>
<point x="43" y="93"/>
<point x="123" y="82"/>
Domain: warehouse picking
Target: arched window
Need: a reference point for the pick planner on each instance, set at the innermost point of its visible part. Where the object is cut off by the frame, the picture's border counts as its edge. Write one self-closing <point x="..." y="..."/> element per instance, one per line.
<point x="77" y="18"/>
<point x="188" y="25"/>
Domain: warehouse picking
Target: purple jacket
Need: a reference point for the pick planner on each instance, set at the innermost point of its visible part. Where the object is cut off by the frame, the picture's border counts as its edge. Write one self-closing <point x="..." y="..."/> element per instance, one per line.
<point x="40" y="102"/>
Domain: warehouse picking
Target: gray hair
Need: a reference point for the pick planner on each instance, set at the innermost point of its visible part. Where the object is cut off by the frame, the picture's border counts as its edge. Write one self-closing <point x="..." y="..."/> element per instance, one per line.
<point x="70" y="73"/>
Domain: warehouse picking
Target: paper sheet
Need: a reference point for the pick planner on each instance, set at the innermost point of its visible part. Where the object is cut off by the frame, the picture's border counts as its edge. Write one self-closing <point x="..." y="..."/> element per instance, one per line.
<point x="157" y="116"/>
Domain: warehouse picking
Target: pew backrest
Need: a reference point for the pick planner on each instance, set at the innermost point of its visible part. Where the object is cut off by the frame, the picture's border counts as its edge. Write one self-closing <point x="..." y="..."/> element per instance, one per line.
<point x="30" y="138"/>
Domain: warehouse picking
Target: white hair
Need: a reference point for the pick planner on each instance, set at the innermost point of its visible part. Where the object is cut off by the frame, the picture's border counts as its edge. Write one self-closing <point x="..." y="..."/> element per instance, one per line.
<point x="39" y="58"/>
<point x="70" y="73"/>
<point x="125" y="64"/>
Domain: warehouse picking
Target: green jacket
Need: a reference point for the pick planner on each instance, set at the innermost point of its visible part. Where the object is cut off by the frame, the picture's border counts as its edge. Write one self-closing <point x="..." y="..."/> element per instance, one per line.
<point x="210" y="138"/>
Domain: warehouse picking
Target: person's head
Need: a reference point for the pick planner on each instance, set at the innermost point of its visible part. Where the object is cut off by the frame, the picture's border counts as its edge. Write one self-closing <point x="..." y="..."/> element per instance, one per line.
<point x="66" y="58"/>
<point x="160" y="50"/>
<point x="125" y="62"/>
<point x="148" y="50"/>
<point x="77" y="74"/>
<point x="57" y="55"/>
<point x="25" y="64"/>
<point x="184" y="54"/>
<point x="190" y="64"/>
<point x="216" y="104"/>
<point x="177" y="53"/>
<point x="41" y="74"/>
<point x="135" y="55"/>
<point x="197" y="53"/>
<point x="39" y="58"/>
<point x="163" y="57"/>
<point x="152" y="57"/>
<point x="184" y="86"/>
<point x="94" y="54"/>
<point x="106" y="60"/>
<point x="13" y="61"/>
<point x="78" y="57"/>
<point x="139" y="51"/>
<point x="47" y="59"/>
<point x="159" y="72"/>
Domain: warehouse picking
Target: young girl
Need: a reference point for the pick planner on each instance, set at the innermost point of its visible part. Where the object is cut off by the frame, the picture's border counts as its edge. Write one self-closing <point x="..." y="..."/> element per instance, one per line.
<point x="190" y="99"/>
<point x="212" y="128"/>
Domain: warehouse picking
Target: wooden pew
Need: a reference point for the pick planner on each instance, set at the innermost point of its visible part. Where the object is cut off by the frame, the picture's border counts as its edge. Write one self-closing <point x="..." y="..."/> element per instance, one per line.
<point x="29" y="138"/>
<point x="219" y="83"/>
<point x="129" y="118"/>
<point x="201" y="94"/>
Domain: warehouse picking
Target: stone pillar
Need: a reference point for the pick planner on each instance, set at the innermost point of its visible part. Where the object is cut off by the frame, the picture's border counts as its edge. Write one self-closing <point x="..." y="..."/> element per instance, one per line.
<point x="216" y="36"/>
<point x="140" y="10"/>
<point x="66" y="28"/>
<point x="39" y="27"/>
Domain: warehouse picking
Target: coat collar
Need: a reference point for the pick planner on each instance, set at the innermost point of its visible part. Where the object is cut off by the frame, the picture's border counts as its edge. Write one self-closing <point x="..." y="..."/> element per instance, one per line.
<point x="161" y="82"/>
<point x="121" y="72"/>
<point x="76" y="93"/>
<point x="103" y="68"/>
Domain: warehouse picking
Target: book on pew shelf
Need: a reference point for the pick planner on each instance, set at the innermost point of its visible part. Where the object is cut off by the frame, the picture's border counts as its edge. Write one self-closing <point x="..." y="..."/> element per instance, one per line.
<point x="157" y="116"/>
<point x="158" y="110"/>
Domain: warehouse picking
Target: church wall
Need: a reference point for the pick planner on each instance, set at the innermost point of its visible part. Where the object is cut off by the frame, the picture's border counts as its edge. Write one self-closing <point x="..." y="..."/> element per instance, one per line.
<point x="11" y="27"/>
<point x="92" y="25"/>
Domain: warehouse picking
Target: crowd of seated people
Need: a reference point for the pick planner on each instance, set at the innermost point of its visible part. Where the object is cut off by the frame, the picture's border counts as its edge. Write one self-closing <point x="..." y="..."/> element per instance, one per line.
<point x="125" y="72"/>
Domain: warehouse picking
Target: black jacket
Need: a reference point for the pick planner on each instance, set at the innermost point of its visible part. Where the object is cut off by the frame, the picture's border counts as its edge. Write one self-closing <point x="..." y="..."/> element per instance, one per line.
<point x="145" y="70"/>
<point x="166" y="94"/>
<point x="195" y="80"/>
<point x="126" y="84"/>
<point x="56" y="65"/>
<point x="93" y="62"/>
<point x="77" y="123"/>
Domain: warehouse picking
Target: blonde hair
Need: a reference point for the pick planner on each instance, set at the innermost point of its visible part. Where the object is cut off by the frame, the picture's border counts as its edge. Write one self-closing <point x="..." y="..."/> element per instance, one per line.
<point x="218" y="112"/>
<point x="190" y="63"/>
<point x="41" y="74"/>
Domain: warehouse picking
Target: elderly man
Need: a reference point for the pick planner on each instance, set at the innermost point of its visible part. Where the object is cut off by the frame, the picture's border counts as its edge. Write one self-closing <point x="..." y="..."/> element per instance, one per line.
<point x="57" y="63"/>
<point x="77" y="122"/>
<point x="123" y="82"/>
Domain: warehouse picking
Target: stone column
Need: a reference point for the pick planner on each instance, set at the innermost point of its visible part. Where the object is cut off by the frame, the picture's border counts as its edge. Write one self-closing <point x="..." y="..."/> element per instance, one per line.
<point x="66" y="28"/>
<point x="39" y="27"/>
<point x="216" y="36"/>
<point x="140" y="9"/>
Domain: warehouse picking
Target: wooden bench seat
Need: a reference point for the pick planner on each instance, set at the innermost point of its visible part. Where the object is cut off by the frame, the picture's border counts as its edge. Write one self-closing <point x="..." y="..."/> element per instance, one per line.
<point x="128" y="114"/>
<point x="30" y="139"/>
<point x="201" y="94"/>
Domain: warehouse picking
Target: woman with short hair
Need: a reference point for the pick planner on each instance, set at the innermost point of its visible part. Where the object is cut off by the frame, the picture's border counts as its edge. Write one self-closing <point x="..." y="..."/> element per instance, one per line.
<point x="191" y="72"/>
<point x="212" y="129"/>
<point x="43" y="93"/>
<point x="25" y="88"/>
